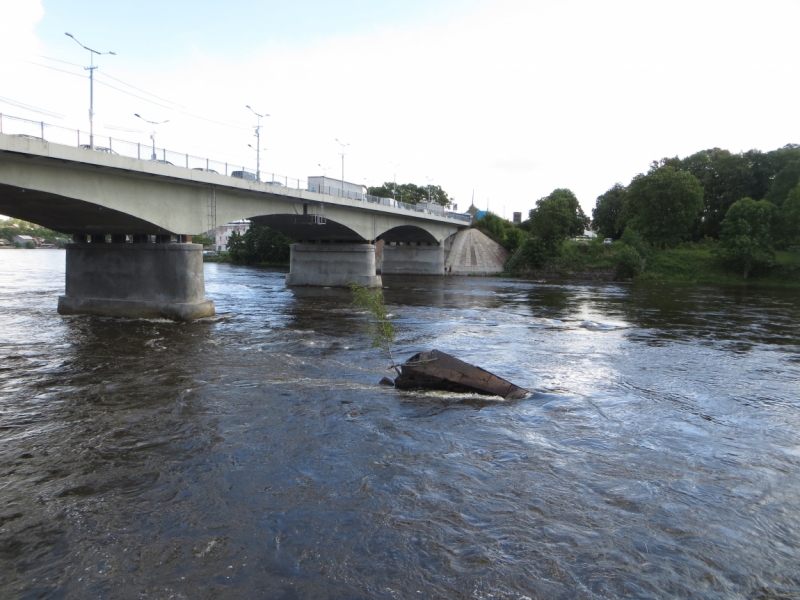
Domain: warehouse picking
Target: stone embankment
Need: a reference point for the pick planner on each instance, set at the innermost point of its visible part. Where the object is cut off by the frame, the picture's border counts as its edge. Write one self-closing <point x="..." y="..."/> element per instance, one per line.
<point x="474" y="253"/>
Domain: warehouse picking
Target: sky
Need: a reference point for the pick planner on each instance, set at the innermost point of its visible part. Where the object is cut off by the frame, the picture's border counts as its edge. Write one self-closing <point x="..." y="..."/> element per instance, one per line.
<point x="502" y="100"/>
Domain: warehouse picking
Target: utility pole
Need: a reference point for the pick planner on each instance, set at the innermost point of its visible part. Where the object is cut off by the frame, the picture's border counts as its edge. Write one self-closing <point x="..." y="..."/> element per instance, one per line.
<point x="91" y="69"/>
<point x="343" y="147"/>
<point x="258" y="141"/>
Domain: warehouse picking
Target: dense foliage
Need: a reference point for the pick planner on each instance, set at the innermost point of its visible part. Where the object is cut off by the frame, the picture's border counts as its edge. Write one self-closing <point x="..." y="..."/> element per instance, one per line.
<point x="746" y="205"/>
<point x="411" y="193"/>
<point x="663" y="205"/>
<point x="557" y="217"/>
<point x="259" y="244"/>
<point x="746" y="240"/>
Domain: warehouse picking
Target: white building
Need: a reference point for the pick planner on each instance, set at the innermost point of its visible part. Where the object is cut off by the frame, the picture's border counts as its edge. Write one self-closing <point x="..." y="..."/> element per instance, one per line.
<point x="222" y="234"/>
<point x="24" y="239"/>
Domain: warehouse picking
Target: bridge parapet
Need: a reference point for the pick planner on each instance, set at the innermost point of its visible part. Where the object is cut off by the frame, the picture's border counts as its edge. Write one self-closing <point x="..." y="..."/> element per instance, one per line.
<point x="202" y="169"/>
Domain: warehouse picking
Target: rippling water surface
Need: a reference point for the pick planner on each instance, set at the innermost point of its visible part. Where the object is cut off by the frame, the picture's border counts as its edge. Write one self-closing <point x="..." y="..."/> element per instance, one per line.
<point x="255" y="456"/>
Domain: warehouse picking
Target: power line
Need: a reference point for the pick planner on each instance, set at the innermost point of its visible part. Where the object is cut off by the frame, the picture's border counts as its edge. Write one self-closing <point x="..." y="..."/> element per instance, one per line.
<point x="239" y="127"/>
<point x="104" y="74"/>
<point x="57" y="69"/>
<point x="24" y="106"/>
<point x="61" y="61"/>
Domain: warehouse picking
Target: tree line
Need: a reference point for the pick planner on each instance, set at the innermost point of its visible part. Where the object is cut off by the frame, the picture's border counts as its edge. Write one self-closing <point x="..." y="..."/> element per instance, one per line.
<point x="747" y="205"/>
<point x="744" y="205"/>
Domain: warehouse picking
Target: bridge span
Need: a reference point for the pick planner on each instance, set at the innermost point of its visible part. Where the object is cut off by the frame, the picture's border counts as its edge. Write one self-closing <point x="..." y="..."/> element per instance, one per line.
<point x="149" y="211"/>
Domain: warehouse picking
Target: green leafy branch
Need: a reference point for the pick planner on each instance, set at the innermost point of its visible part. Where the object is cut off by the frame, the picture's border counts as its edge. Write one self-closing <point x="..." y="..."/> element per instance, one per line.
<point x="380" y="327"/>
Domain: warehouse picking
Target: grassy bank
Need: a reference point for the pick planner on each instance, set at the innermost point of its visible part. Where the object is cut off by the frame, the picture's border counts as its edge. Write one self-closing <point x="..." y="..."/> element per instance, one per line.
<point x="699" y="265"/>
<point x="692" y="263"/>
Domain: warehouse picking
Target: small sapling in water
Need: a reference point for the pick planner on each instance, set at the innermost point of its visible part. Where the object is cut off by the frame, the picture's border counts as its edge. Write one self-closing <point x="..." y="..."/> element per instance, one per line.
<point x="381" y="327"/>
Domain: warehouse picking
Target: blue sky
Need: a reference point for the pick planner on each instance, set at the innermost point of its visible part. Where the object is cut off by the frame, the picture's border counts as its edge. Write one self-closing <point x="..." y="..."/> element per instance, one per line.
<point x="503" y="99"/>
<point x="149" y="30"/>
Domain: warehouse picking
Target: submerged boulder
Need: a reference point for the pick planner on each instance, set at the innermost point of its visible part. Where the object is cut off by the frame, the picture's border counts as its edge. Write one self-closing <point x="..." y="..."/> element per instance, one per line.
<point x="437" y="370"/>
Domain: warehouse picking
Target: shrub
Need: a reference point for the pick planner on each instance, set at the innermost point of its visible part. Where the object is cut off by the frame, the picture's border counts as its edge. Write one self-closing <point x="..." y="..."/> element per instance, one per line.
<point x="628" y="262"/>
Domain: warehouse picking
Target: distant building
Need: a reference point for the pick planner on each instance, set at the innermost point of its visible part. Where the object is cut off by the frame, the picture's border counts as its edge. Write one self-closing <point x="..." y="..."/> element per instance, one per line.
<point x="24" y="240"/>
<point x="517" y="218"/>
<point x="222" y="234"/>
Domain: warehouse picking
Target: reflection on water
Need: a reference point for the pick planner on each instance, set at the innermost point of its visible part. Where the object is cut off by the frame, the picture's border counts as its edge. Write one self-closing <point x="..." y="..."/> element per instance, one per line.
<point x="254" y="456"/>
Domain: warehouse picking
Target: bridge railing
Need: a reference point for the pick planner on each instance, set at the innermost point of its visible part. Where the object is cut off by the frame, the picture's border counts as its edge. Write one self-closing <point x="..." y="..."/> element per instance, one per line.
<point x="102" y="143"/>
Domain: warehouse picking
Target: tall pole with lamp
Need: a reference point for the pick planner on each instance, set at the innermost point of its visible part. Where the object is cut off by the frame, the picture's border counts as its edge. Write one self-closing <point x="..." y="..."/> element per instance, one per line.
<point x="152" y="135"/>
<point x="258" y="141"/>
<point x="91" y="69"/>
<point x="343" y="147"/>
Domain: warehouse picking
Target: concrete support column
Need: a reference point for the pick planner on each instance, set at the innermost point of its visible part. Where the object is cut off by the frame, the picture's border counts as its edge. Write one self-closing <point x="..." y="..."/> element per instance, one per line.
<point x="97" y="239"/>
<point x="332" y="265"/>
<point x="136" y="280"/>
<point x="412" y="259"/>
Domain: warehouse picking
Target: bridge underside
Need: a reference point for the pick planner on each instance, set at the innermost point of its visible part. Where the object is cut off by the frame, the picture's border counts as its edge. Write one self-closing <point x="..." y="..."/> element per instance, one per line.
<point x="68" y="215"/>
<point x="310" y="228"/>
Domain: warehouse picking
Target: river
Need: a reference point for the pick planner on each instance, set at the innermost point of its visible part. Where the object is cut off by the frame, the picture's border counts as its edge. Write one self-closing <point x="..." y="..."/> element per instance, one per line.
<point x="253" y="455"/>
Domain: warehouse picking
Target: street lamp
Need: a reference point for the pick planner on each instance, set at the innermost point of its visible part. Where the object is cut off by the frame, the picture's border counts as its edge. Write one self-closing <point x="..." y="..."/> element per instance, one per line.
<point x="429" y="188"/>
<point x="324" y="169"/>
<point x="394" y="178"/>
<point x="258" y="141"/>
<point x="152" y="135"/>
<point x="343" y="147"/>
<point x="91" y="69"/>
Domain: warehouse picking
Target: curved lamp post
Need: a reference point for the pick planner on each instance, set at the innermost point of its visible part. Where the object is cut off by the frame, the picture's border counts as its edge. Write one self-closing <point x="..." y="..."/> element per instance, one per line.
<point x="258" y="141"/>
<point x="91" y="69"/>
<point x="152" y="135"/>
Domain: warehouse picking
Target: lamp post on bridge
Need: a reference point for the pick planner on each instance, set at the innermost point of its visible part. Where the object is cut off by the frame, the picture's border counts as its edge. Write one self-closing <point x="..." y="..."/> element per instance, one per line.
<point x="429" y="188"/>
<point x="343" y="147"/>
<point x="258" y="141"/>
<point x="152" y="135"/>
<point x="394" y="179"/>
<point x="91" y="69"/>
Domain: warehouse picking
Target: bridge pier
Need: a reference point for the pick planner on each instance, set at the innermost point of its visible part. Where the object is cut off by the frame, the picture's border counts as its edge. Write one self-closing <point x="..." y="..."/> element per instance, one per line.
<point x="332" y="265"/>
<point x="411" y="258"/>
<point x="140" y="280"/>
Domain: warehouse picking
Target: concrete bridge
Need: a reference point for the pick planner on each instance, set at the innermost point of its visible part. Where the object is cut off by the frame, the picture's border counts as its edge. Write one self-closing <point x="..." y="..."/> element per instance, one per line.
<point x="149" y="211"/>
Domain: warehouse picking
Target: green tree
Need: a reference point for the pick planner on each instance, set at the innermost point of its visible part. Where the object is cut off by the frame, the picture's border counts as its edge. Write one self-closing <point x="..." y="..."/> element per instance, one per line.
<point x="608" y="210"/>
<point x="746" y="239"/>
<point x="411" y="193"/>
<point x="663" y="205"/>
<point x="790" y="218"/>
<point x="725" y="178"/>
<point x="501" y="231"/>
<point x="492" y="225"/>
<point x="557" y="217"/>
<point x="202" y="239"/>
<point x="785" y="181"/>
<point x="259" y="244"/>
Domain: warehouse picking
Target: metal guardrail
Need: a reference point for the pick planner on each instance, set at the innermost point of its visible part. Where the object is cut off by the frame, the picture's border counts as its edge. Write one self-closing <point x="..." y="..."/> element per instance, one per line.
<point x="76" y="138"/>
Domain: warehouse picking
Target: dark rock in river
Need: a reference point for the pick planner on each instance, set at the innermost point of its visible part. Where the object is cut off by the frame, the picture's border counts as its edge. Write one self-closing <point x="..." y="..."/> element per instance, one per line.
<point x="386" y="381"/>
<point x="436" y="370"/>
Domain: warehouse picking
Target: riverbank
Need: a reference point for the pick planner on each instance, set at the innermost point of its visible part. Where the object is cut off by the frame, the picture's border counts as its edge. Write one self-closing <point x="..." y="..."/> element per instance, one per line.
<point x="690" y="264"/>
